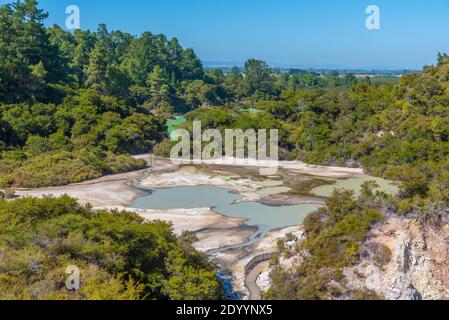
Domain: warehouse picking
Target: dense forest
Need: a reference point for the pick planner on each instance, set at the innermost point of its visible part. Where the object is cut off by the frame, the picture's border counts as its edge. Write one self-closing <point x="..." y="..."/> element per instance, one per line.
<point x="75" y="106"/>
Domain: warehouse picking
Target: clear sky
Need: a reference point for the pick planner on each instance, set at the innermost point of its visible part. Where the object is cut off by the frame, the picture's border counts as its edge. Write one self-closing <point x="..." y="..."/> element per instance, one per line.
<point x="305" y="33"/>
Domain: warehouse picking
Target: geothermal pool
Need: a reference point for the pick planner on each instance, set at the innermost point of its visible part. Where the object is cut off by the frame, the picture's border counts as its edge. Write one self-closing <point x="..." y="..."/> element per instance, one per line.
<point x="266" y="217"/>
<point x="225" y="202"/>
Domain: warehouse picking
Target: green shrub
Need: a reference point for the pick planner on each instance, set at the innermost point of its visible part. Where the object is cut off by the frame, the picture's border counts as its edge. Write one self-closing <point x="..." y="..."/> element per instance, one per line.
<point x="62" y="168"/>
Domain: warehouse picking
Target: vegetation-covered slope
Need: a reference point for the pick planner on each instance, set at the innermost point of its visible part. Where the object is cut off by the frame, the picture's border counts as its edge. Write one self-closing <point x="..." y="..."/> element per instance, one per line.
<point x="73" y="106"/>
<point x="118" y="255"/>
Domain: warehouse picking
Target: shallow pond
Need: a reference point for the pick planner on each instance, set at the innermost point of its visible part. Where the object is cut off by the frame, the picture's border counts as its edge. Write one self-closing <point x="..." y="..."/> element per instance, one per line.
<point x="224" y="202"/>
<point x="355" y="184"/>
<point x="266" y="217"/>
<point x="172" y="125"/>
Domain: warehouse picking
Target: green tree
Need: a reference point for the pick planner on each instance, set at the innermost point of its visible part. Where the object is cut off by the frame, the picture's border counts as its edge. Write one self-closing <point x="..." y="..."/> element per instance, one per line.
<point x="24" y="42"/>
<point x="139" y="60"/>
<point x="258" y="77"/>
<point x="97" y="69"/>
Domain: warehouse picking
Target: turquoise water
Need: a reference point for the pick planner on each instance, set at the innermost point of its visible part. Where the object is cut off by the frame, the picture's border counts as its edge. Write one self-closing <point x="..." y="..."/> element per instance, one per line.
<point x="186" y="198"/>
<point x="224" y="202"/>
<point x="172" y="124"/>
<point x="254" y="110"/>
<point x="271" y="217"/>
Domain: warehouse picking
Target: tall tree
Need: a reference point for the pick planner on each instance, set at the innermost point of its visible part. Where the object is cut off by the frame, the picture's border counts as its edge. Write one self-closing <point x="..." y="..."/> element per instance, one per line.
<point x="258" y="77"/>
<point x="24" y="43"/>
<point x="140" y="59"/>
<point x="98" y="67"/>
<point x="85" y="42"/>
<point x="234" y="84"/>
<point x="34" y="42"/>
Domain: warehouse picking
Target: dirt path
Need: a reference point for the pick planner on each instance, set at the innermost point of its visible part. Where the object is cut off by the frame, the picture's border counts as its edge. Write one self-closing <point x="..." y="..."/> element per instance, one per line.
<point x="251" y="280"/>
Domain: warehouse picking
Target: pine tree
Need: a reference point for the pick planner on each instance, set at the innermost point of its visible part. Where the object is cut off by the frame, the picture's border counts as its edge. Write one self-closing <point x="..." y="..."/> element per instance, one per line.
<point x="34" y="42"/>
<point x="140" y="58"/>
<point x="157" y="81"/>
<point x="24" y="42"/>
<point x="98" y="67"/>
<point x="85" y="42"/>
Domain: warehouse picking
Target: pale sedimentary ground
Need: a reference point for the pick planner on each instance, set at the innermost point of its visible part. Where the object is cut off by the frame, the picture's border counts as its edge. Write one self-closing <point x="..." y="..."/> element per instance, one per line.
<point x="191" y="176"/>
<point x="330" y="172"/>
<point x="264" y="279"/>
<point x="321" y="171"/>
<point x="212" y="238"/>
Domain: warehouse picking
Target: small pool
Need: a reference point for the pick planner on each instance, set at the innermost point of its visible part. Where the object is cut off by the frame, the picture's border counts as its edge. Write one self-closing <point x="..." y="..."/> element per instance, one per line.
<point x="355" y="184"/>
<point x="172" y="124"/>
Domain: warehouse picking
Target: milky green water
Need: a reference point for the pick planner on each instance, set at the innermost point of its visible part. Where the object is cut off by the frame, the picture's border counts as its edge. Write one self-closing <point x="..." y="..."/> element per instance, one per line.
<point x="172" y="125"/>
<point x="186" y="198"/>
<point x="253" y="110"/>
<point x="266" y="217"/>
<point x="355" y="184"/>
<point x="224" y="202"/>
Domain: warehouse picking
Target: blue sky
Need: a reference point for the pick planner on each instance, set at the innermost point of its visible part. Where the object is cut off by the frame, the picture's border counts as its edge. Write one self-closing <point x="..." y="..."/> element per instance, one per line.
<point x="305" y="33"/>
